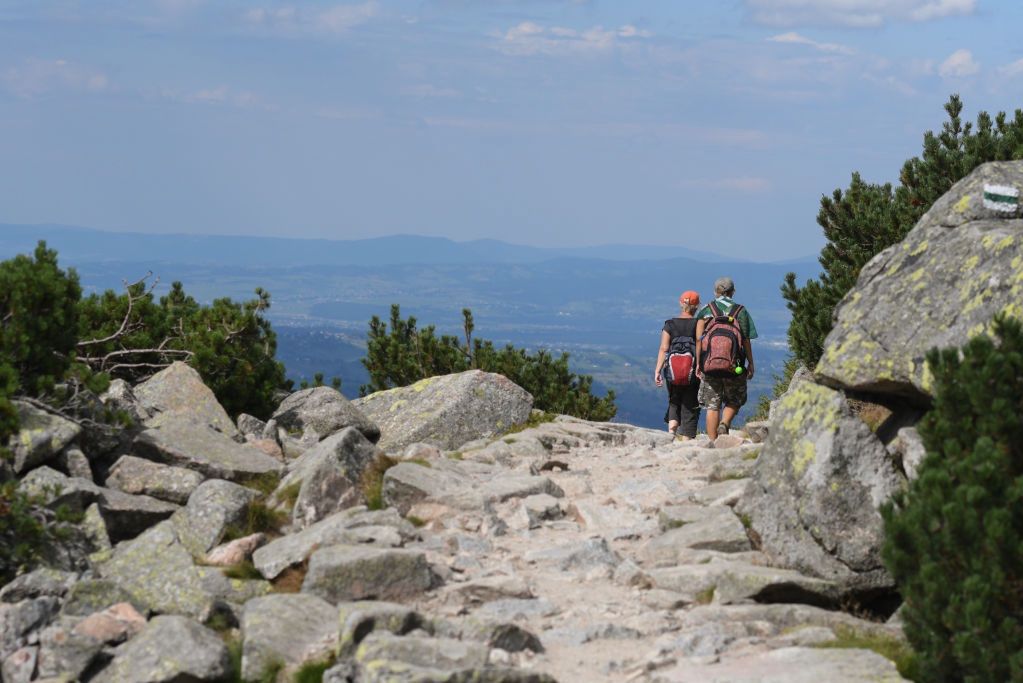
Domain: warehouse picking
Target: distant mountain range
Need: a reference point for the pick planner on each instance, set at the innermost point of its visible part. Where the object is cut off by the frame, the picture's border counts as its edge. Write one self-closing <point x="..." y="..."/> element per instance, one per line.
<point x="98" y="246"/>
<point x="605" y="305"/>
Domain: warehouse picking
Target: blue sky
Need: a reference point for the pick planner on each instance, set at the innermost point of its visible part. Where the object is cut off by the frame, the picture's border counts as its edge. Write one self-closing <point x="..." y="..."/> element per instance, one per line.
<point x="546" y="122"/>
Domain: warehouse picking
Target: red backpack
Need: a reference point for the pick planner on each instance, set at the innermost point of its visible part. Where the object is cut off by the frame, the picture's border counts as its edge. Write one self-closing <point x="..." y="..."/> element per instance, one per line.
<point x="722" y="351"/>
<point x="679" y="366"/>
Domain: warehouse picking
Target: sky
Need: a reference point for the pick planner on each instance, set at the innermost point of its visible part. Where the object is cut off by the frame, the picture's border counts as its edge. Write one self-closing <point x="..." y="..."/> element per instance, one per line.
<point x="544" y="122"/>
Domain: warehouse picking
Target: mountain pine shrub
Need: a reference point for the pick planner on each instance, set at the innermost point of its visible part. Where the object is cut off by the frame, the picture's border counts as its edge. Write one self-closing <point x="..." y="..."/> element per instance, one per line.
<point x="404" y="354"/>
<point x="38" y="319"/>
<point x="866" y="218"/>
<point x="954" y="538"/>
<point x="230" y="343"/>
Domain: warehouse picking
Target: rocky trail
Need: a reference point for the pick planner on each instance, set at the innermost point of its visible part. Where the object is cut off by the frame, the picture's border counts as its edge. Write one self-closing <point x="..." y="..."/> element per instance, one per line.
<point x="632" y="565"/>
<point x="564" y="551"/>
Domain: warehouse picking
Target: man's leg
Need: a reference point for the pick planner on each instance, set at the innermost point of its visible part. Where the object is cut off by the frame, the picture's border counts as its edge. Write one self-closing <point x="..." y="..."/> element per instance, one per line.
<point x="672" y="426"/>
<point x="733" y="397"/>
<point x="728" y="414"/>
<point x="712" y="423"/>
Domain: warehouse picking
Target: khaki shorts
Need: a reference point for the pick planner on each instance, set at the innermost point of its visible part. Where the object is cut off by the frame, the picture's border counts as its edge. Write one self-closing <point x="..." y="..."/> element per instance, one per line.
<point x="718" y="391"/>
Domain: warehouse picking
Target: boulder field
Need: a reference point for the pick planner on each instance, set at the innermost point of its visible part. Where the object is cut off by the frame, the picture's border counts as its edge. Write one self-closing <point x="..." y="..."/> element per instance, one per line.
<point x="564" y="551"/>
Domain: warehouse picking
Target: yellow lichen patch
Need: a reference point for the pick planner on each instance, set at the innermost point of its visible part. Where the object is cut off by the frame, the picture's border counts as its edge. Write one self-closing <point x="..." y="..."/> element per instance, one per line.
<point x="920" y="248"/>
<point x="927" y="379"/>
<point x="849" y="357"/>
<point x="971" y="263"/>
<point x="423" y="383"/>
<point x="803" y="457"/>
<point x="963" y="204"/>
<point x="918" y="274"/>
<point x="397" y="405"/>
<point x="1005" y="243"/>
<point x="834" y="487"/>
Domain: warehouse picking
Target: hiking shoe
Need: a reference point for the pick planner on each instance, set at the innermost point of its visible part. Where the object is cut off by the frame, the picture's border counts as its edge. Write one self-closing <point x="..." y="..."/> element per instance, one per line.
<point x="683" y="437"/>
<point x="722" y="428"/>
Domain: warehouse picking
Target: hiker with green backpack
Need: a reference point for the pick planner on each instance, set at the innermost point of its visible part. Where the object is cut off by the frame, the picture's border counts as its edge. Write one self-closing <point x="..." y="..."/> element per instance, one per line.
<point x="676" y="368"/>
<point x="724" y="356"/>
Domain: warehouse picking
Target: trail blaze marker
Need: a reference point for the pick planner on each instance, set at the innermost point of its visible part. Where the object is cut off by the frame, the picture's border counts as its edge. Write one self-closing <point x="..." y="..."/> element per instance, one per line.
<point x="1001" y="198"/>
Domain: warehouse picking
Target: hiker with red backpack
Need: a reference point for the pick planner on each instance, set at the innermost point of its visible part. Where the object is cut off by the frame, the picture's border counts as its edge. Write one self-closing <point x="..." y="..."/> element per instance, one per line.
<point x="724" y="356"/>
<point x="676" y="368"/>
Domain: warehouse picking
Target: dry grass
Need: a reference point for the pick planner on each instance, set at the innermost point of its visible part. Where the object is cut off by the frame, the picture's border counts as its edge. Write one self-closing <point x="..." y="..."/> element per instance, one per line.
<point x="373" y="481"/>
<point x="290" y="580"/>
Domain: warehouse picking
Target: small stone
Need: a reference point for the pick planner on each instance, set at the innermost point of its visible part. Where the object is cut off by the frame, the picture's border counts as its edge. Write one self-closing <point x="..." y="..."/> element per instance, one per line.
<point x="113" y="625"/>
<point x="235" y="552"/>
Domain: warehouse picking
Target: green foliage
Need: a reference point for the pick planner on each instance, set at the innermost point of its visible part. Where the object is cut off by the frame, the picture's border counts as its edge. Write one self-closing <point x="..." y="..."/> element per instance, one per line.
<point x="954" y="539"/>
<point x="265" y="483"/>
<point x="259" y="518"/>
<point x="229" y="343"/>
<point x="38" y="319"/>
<point x="8" y="414"/>
<point x="335" y="382"/>
<point x="402" y="354"/>
<point x="26" y="530"/>
<point x="889" y="647"/>
<point x="243" y="570"/>
<point x="866" y="218"/>
<point x="312" y="672"/>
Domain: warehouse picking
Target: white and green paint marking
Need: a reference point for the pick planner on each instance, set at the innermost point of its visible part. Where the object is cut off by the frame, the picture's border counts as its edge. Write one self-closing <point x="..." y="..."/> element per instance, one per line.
<point x="1001" y="198"/>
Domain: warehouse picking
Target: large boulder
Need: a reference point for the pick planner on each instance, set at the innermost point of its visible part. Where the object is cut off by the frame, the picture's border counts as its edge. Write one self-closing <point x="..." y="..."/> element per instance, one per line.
<point x="288" y="629"/>
<point x="447" y="411"/>
<point x="343" y="573"/>
<point x="159" y="574"/>
<point x="195" y="446"/>
<point x="125" y="515"/>
<point x="960" y="265"/>
<point x="318" y="412"/>
<point x="213" y="508"/>
<point x="351" y="526"/>
<point x="170" y="649"/>
<point x="178" y="391"/>
<point x="328" y="476"/>
<point x="41" y="436"/>
<point x="816" y="489"/>
<point x="144" y="477"/>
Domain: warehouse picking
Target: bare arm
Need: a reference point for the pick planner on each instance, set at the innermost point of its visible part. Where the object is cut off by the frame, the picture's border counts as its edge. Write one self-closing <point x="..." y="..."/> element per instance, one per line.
<point x="749" y="357"/>
<point x="661" y="353"/>
<point x="700" y="324"/>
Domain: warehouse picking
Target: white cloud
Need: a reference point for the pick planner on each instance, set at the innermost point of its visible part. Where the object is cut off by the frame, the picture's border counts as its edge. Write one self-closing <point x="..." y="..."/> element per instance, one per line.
<point x="1012" y="70"/>
<point x="298" y="20"/>
<point x="798" y="39"/>
<point x="37" y="77"/>
<point x="529" y="38"/>
<point x="220" y="95"/>
<point x="959" y="64"/>
<point x="430" y="90"/>
<point x="853" y="13"/>
<point x="749" y="184"/>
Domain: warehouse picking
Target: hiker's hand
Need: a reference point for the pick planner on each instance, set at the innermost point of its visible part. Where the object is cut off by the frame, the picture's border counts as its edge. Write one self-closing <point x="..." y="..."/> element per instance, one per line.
<point x="699" y="374"/>
<point x="750" y="373"/>
<point x="657" y="379"/>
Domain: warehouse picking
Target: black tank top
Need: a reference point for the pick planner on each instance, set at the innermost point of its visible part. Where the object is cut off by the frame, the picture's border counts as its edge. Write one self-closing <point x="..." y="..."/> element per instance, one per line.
<point x="680" y="327"/>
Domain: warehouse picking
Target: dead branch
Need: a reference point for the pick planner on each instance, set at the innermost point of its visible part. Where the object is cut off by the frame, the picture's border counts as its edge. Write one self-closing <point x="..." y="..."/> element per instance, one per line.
<point x="125" y="323"/>
<point x="45" y="407"/>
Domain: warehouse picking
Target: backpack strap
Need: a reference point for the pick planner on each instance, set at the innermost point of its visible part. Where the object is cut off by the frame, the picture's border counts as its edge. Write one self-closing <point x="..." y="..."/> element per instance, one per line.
<point x="713" y="305"/>
<point x="739" y="308"/>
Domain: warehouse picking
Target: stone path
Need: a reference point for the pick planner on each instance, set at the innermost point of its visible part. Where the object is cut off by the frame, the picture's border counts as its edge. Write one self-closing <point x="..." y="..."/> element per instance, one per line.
<point x="638" y="571"/>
